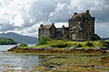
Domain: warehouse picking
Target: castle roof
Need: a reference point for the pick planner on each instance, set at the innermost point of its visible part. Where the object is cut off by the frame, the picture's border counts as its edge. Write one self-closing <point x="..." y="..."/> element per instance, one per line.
<point x="46" y="27"/>
<point x="81" y="14"/>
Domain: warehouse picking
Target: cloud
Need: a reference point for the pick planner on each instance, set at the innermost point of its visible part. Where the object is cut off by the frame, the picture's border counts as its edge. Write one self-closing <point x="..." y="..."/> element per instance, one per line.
<point x="25" y="16"/>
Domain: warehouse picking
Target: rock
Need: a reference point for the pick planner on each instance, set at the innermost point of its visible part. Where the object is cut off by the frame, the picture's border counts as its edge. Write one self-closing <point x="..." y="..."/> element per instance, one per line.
<point x="101" y="48"/>
<point x="105" y="48"/>
<point x="49" y="48"/>
<point x="97" y="48"/>
<point x="13" y="48"/>
<point x="71" y="48"/>
<point x="51" y="67"/>
<point x="79" y="48"/>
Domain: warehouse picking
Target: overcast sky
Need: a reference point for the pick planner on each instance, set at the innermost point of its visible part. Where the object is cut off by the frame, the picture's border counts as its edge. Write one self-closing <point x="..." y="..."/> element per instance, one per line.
<point x="25" y="16"/>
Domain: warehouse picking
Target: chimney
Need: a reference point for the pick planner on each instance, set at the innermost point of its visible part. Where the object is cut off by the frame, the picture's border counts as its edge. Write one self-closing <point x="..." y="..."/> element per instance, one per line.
<point x="41" y="25"/>
<point x="53" y="24"/>
<point x="63" y="26"/>
<point x="75" y="13"/>
<point x="87" y="11"/>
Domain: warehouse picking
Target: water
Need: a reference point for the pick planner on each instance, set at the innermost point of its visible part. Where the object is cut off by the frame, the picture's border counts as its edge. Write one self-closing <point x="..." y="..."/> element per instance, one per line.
<point x="16" y="61"/>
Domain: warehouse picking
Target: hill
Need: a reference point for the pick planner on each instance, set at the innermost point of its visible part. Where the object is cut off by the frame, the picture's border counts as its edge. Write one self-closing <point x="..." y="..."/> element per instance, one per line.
<point x="105" y="38"/>
<point x="19" y="38"/>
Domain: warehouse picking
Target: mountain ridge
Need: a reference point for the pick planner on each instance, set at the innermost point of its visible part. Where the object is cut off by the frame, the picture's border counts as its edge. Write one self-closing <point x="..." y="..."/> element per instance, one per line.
<point x="19" y="38"/>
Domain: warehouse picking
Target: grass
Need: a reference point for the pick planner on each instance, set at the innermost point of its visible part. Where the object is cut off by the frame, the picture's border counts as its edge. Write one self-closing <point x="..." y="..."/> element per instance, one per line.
<point x="67" y="44"/>
<point x="107" y="40"/>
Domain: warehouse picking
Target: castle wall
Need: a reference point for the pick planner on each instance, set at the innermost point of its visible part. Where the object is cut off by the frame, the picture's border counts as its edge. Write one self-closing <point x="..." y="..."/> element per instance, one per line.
<point x="80" y="36"/>
<point x="81" y="28"/>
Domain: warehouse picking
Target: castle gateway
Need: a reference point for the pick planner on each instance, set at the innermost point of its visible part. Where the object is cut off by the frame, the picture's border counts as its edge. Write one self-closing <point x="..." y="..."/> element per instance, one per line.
<point x="80" y="28"/>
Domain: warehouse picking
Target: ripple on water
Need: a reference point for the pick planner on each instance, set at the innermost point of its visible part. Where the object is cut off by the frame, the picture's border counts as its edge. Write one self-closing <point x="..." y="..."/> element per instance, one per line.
<point x="16" y="61"/>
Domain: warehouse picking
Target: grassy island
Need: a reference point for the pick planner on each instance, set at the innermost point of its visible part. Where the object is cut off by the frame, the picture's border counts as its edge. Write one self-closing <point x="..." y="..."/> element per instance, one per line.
<point x="68" y="56"/>
<point x="4" y="41"/>
<point x="47" y="45"/>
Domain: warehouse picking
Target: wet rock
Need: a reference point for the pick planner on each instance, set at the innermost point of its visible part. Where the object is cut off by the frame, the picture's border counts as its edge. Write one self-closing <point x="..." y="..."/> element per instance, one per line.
<point x="51" y="67"/>
<point x="100" y="48"/>
<point x="80" y="48"/>
<point x="13" y="48"/>
<point x="105" y="48"/>
<point x="97" y="48"/>
<point x="49" y="48"/>
<point x="72" y="48"/>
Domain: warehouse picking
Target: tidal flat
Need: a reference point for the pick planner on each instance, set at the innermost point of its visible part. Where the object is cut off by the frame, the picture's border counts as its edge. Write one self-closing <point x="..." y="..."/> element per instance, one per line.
<point x="82" y="62"/>
<point x="70" y="62"/>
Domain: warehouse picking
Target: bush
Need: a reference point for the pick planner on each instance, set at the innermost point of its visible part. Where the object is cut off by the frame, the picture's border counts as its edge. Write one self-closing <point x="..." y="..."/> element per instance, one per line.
<point x="59" y="45"/>
<point x="23" y="45"/>
<point x="65" y="39"/>
<point x="88" y="44"/>
<point x="43" y="40"/>
<point x="102" y="44"/>
<point x="95" y="37"/>
<point x="78" y="45"/>
<point x="107" y="40"/>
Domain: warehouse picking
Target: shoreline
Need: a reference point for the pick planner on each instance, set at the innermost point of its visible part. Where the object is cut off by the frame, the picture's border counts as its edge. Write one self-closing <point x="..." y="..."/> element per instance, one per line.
<point x="58" y="50"/>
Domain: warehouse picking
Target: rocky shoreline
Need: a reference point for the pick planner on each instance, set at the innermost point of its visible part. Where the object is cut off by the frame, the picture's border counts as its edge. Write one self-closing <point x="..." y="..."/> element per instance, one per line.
<point x="59" y="50"/>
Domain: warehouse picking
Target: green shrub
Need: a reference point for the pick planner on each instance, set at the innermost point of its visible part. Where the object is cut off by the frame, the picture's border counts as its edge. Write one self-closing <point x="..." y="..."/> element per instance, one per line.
<point x="71" y="44"/>
<point x="23" y="45"/>
<point x="102" y="44"/>
<point x="78" y="45"/>
<point x="88" y="44"/>
<point x="95" y="37"/>
<point x="59" y="45"/>
<point x="43" y="40"/>
<point x="107" y="40"/>
<point x="65" y="39"/>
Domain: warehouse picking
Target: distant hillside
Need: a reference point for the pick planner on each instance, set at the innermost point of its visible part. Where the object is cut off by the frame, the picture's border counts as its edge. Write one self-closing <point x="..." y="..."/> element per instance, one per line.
<point x="9" y="41"/>
<point x="105" y="38"/>
<point x="19" y="38"/>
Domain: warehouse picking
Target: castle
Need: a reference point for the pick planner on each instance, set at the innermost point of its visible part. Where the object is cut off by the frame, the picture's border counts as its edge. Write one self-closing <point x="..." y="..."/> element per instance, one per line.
<point x="80" y="28"/>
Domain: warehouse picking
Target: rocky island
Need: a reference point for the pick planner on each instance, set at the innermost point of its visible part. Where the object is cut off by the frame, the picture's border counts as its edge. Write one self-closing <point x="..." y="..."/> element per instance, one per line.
<point x="79" y="36"/>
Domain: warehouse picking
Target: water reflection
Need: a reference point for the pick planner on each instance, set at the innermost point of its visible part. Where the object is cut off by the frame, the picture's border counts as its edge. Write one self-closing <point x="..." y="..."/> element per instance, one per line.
<point x="16" y="61"/>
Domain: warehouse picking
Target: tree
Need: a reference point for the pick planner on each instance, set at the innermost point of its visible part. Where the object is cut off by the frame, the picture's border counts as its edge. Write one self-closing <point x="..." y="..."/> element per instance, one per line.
<point x="43" y="40"/>
<point x="95" y="37"/>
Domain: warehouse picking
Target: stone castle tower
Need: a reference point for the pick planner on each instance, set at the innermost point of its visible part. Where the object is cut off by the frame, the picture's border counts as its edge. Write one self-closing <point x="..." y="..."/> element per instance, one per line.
<point x="81" y="28"/>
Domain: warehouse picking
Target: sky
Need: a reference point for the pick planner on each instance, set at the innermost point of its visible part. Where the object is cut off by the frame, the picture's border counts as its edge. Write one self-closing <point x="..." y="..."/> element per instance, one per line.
<point x="25" y="16"/>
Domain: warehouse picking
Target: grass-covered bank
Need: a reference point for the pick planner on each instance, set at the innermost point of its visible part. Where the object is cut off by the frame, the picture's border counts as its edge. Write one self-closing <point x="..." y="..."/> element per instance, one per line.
<point x="107" y="40"/>
<point x="47" y="45"/>
<point x="64" y="43"/>
<point x="67" y="44"/>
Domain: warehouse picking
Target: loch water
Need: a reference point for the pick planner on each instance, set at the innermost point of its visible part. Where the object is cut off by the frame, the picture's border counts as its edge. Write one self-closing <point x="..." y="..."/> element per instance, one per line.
<point x="16" y="61"/>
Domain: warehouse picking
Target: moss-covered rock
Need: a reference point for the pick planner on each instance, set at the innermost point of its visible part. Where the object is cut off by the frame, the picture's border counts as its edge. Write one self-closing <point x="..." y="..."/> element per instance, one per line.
<point x="23" y="45"/>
